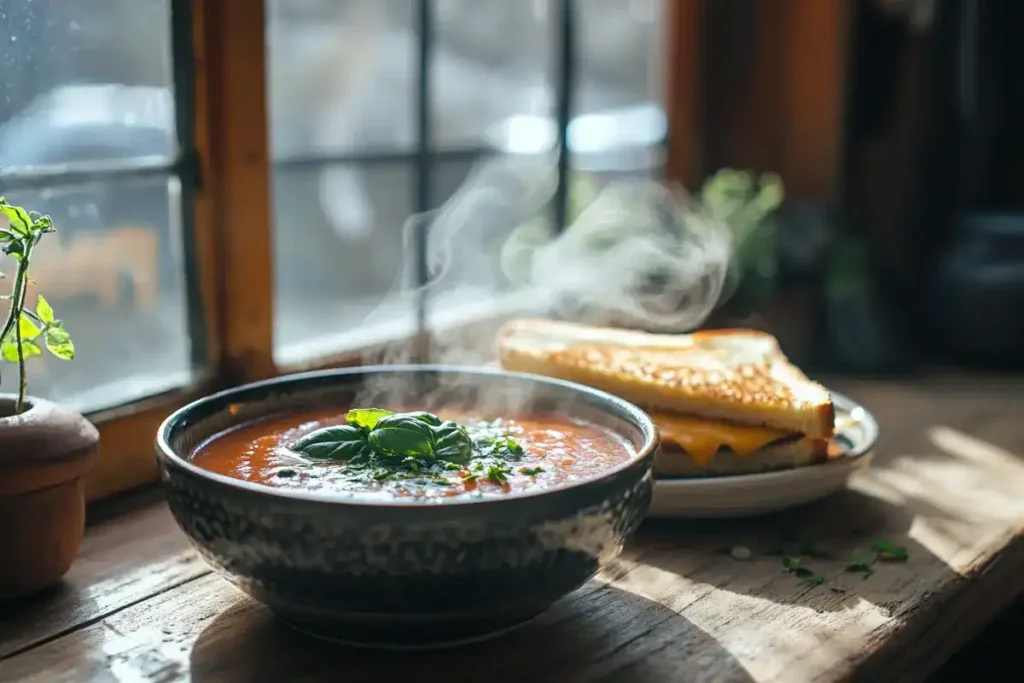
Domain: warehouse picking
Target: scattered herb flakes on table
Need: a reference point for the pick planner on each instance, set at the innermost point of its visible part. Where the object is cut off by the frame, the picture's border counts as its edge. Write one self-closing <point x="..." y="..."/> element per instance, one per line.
<point x="794" y="558"/>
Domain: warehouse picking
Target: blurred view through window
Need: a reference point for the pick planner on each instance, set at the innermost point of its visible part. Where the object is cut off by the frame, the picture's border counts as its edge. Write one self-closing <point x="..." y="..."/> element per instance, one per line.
<point x="343" y="85"/>
<point x="87" y="135"/>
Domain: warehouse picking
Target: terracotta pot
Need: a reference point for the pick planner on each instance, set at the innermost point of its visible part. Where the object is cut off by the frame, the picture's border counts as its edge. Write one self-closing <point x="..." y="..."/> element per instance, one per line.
<point x="44" y="453"/>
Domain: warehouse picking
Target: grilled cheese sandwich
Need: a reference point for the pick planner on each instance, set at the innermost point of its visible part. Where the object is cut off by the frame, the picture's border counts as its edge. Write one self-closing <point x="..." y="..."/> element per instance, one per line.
<point x="725" y="401"/>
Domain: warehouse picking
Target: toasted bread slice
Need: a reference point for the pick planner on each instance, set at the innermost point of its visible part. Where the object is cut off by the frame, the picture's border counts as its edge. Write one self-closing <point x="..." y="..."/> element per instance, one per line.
<point x="739" y="376"/>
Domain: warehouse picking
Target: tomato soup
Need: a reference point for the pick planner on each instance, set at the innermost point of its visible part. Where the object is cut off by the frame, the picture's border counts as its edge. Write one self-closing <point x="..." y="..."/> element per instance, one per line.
<point x="413" y="455"/>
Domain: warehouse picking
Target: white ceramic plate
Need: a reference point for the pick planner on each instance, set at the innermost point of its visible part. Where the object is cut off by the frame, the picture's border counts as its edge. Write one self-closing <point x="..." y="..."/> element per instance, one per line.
<point x="746" y="495"/>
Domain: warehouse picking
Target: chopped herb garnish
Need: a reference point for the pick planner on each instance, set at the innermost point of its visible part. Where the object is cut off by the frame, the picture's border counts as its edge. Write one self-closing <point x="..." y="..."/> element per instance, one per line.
<point x="418" y="449"/>
<point x="795" y="566"/>
<point x="498" y="473"/>
<point x="890" y="552"/>
<point x="791" y="563"/>
<point x="740" y="552"/>
<point x="286" y="472"/>
<point x="862" y="562"/>
<point x="860" y="567"/>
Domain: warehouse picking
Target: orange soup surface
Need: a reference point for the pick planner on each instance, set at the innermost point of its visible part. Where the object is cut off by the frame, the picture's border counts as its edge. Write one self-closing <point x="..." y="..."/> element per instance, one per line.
<point x="550" y="450"/>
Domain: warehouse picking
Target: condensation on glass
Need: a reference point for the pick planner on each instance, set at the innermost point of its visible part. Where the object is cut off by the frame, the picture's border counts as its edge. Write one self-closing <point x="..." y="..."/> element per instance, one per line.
<point x="87" y="88"/>
<point x="344" y="89"/>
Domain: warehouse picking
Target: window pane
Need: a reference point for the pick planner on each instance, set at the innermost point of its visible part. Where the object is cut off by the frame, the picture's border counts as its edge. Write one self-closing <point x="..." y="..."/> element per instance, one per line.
<point x="619" y="123"/>
<point x="84" y="81"/>
<point x="491" y="74"/>
<point x="337" y="250"/>
<point x="340" y="75"/>
<point x="113" y="273"/>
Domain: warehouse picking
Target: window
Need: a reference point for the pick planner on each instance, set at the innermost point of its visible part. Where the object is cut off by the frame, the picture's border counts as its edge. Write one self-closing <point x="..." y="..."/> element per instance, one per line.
<point x="231" y="181"/>
<point x="388" y="106"/>
<point x="94" y="132"/>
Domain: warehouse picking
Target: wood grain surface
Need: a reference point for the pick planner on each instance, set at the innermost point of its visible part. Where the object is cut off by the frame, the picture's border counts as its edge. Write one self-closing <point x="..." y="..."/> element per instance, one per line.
<point x="677" y="606"/>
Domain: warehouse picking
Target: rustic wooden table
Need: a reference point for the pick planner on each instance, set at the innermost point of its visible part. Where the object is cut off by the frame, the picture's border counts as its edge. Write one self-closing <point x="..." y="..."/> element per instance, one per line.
<point x="682" y="604"/>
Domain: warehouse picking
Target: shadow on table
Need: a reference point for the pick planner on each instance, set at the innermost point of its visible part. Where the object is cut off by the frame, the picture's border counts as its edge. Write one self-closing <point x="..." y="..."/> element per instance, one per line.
<point x="599" y="633"/>
<point x="832" y="539"/>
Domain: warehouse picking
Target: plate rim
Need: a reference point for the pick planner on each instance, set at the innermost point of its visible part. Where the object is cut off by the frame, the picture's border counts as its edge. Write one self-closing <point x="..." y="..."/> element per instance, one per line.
<point x="848" y="460"/>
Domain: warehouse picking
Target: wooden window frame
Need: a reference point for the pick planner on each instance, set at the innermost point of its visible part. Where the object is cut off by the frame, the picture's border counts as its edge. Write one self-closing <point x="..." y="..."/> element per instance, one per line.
<point x="232" y="218"/>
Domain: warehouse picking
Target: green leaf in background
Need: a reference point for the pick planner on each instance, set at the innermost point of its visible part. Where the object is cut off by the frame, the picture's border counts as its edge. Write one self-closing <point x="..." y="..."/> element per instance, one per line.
<point x="847" y="273"/>
<point x="342" y="442"/>
<point x="44" y="310"/>
<point x="366" y="418"/>
<point x="58" y="342"/>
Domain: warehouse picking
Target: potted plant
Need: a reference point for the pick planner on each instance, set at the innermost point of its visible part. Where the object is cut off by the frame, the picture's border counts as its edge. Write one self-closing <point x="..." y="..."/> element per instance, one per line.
<point x="45" y="449"/>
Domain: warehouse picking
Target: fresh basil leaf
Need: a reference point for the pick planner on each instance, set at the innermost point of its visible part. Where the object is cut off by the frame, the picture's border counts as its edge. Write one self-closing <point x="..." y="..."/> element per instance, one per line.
<point x="341" y="442"/>
<point x="422" y="416"/>
<point x="366" y="418"/>
<point x="399" y="434"/>
<point x="452" y="443"/>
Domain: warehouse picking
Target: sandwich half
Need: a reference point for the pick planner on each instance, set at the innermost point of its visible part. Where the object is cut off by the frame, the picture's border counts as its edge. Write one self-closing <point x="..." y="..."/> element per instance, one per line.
<point x="724" y="401"/>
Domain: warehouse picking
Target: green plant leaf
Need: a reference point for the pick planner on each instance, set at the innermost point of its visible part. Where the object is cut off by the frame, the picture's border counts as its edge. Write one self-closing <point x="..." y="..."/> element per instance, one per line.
<point x="366" y="417"/>
<point x="44" y="310"/>
<point x="9" y="351"/>
<point x="26" y="328"/>
<point x="342" y="442"/>
<point x="452" y="443"/>
<point x="404" y="435"/>
<point x="58" y="342"/>
<point x="15" y="249"/>
<point x="21" y="222"/>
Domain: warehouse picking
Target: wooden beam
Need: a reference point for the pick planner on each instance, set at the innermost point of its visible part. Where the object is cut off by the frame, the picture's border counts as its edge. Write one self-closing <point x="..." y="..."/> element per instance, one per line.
<point x="684" y="91"/>
<point x="234" y="203"/>
<point x="775" y="77"/>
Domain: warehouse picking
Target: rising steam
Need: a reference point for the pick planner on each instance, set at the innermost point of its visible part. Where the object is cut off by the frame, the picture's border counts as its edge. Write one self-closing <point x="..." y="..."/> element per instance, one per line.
<point x="637" y="253"/>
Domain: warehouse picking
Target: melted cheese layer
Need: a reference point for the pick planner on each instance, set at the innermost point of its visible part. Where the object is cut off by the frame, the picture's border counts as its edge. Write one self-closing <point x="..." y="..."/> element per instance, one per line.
<point x="701" y="439"/>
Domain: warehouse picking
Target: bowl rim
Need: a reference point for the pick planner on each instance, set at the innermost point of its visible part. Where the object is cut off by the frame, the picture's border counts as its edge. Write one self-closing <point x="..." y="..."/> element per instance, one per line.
<point x="629" y="411"/>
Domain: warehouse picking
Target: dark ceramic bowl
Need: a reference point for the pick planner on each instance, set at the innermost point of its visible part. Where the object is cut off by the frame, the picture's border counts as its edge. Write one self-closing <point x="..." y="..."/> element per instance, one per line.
<point x="406" y="574"/>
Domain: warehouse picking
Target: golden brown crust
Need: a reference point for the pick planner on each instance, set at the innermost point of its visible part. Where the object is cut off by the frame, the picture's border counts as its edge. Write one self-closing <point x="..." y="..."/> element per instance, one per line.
<point x="736" y="375"/>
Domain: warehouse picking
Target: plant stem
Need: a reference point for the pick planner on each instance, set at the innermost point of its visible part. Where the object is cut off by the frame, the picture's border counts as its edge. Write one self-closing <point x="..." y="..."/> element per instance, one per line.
<point x="21" y="369"/>
<point x="17" y="296"/>
<point x="14" y="319"/>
